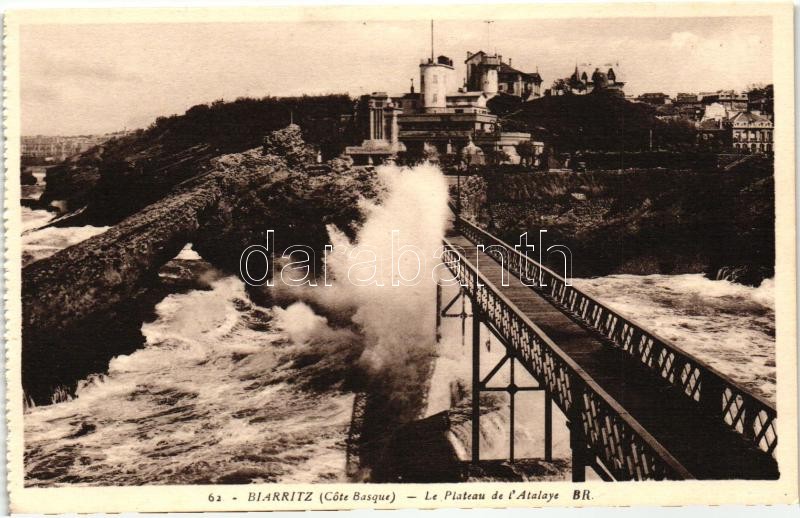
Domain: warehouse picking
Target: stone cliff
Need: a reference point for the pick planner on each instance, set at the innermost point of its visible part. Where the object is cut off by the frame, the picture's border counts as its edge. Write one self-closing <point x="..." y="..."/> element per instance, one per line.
<point x="639" y="222"/>
<point x="221" y="211"/>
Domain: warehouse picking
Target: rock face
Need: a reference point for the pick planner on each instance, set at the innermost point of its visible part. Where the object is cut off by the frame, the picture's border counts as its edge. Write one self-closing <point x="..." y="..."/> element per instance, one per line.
<point x="26" y="177"/>
<point x="124" y="175"/>
<point x="295" y="205"/>
<point x="643" y="222"/>
<point x="73" y="299"/>
<point x="72" y="181"/>
<point x="221" y="212"/>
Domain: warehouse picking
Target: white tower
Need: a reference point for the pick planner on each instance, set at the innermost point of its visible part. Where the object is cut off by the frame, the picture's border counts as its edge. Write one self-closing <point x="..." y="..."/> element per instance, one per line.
<point x="435" y="76"/>
<point x="434" y="84"/>
<point x="489" y="77"/>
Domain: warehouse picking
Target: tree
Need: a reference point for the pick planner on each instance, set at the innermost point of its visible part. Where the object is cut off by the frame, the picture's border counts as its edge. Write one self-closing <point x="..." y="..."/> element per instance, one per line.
<point x="498" y="156"/>
<point x="526" y="151"/>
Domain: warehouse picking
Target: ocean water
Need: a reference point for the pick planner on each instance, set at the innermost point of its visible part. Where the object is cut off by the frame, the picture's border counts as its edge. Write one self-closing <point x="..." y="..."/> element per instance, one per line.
<point x="730" y="326"/>
<point x="38" y="243"/>
<point x="223" y="391"/>
<point x="226" y="391"/>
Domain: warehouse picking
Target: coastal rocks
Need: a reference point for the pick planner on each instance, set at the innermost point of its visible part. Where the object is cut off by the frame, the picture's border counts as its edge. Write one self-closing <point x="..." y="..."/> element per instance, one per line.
<point x="288" y="144"/>
<point x="221" y="212"/>
<point x="26" y="177"/>
<point x="296" y="206"/>
<point x="642" y="222"/>
<point x="71" y="183"/>
<point x="742" y="274"/>
<point x="74" y="302"/>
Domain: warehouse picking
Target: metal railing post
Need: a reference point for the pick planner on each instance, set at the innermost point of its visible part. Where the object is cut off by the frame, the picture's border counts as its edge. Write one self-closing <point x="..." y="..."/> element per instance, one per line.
<point x="548" y="426"/>
<point x="476" y="380"/>
<point x="577" y="437"/>
<point x="438" y="311"/>
<point x="512" y="394"/>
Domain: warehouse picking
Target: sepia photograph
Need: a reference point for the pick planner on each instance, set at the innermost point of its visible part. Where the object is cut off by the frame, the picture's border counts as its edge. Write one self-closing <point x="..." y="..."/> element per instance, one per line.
<point x="305" y="258"/>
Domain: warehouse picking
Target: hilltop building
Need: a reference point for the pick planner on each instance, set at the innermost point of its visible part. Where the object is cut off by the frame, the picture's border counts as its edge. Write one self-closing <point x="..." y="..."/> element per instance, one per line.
<point x="442" y="118"/>
<point x="587" y="78"/>
<point x="491" y="74"/>
<point x="732" y="101"/>
<point x="654" y="98"/>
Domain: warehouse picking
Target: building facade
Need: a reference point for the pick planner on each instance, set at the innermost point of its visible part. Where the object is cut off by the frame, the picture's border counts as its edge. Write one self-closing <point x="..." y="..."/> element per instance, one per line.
<point x="442" y="119"/>
<point x="587" y="78"/>
<point x="752" y="133"/>
<point x="57" y="149"/>
<point x="378" y="114"/>
<point x="731" y="100"/>
<point x="654" y="98"/>
<point x="490" y="74"/>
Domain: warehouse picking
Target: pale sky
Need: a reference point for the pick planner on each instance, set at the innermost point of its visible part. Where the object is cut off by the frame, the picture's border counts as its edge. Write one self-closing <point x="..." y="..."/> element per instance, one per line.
<point x="80" y="79"/>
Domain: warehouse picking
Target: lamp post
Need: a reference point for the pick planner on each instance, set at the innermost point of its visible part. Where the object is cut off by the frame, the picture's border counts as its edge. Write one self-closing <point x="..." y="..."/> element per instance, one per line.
<point x="458" y="190"/>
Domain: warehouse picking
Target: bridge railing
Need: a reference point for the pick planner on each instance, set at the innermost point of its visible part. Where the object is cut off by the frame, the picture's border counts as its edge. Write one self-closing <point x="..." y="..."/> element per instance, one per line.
<point x="621" y="444"/>
<point x="720" y="397"/>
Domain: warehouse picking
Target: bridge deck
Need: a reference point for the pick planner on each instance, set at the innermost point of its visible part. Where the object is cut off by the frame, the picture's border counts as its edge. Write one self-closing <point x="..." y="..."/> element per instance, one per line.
<point x="701" y="444"/>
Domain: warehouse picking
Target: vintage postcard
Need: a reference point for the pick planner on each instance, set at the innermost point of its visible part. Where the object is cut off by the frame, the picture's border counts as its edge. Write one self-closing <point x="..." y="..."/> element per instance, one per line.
<point x="320" y="257"/>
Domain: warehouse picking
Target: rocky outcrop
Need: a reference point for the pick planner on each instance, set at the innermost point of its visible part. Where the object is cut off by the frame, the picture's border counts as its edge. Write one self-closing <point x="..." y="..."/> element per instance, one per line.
<point x="640" y="222"/>
<point x="83" y="305"/>
<point x="221" y="212"/>
<point x="72" y="182"/>
<point x="26" y="177"/>
<point x="123" y="175"/>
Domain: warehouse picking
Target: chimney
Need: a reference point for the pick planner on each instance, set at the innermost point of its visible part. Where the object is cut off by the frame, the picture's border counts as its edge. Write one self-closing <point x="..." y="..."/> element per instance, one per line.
<point x="509" y="61"/>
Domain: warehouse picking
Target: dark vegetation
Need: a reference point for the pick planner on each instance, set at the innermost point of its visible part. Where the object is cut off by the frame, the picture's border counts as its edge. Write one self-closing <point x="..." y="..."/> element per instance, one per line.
<point x="596" y="122"/>
<point x="125" y="174"/>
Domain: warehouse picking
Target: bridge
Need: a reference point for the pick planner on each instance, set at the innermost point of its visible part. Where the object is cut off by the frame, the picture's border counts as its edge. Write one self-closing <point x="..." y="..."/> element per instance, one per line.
<point x="638" y="407"/>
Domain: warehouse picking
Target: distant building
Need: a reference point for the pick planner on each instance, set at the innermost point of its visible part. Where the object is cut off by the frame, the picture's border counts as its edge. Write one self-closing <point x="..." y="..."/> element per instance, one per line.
<point x="490" y="74"/>
<point x="656" y="99"/>
<point x="442" y="118"/>
<point x="58" y="148"/>
<point x="714" y="134"/>
<point x="684" y="98"/>
<point x="761" y="100"/>
<point x="752" y="133"/>
<point x="511" y="81"/>
<point x="587" y="78"/>
<point x="686" y="106"/>
<point x="717" y="111"/>
<point x="732" y="101"/>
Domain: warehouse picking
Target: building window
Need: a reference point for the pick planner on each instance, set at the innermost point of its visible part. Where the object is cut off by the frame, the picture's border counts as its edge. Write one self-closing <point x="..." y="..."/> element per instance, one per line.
<point x="435" y="97"/>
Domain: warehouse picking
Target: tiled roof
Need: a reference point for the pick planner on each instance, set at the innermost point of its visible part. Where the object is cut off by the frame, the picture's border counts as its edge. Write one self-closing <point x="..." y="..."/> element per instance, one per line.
<point x="508" y="69"/>
<point x="748" y="118"/>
